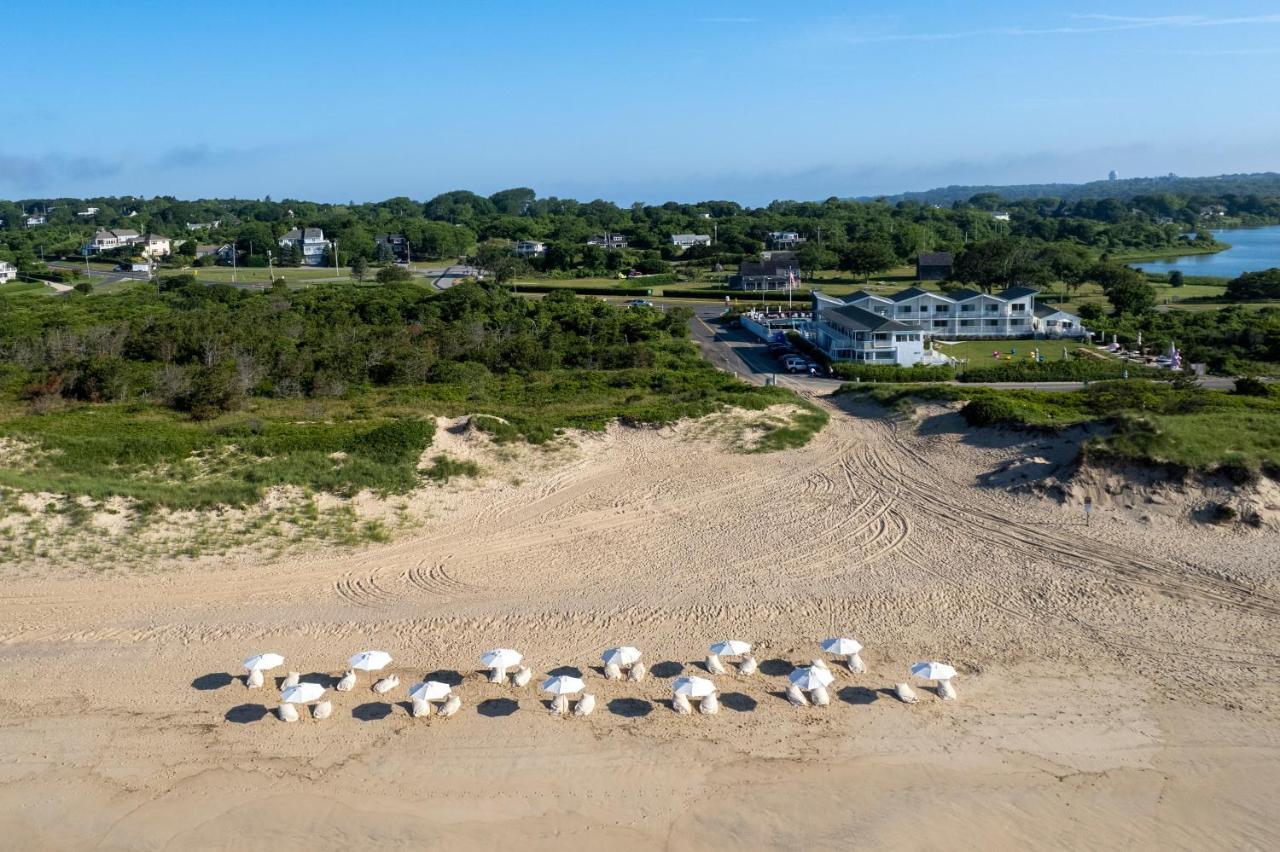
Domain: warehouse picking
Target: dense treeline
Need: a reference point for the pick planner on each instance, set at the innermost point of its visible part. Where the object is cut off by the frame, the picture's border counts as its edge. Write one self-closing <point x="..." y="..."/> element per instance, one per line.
<point x="1235" y="191"/>
<point x="204" y="349"/>
<point x="856" y="235"/>
<point x="1231" y="340"/>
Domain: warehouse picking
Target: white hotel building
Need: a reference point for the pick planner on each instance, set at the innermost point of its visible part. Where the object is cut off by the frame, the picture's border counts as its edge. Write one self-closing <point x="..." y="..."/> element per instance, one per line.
<point x="893" y="329"/>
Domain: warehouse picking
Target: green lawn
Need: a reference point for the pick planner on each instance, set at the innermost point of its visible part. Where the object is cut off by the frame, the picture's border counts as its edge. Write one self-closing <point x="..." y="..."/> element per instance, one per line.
<point x="980" y="352"/>
<point x="25" y="288"/>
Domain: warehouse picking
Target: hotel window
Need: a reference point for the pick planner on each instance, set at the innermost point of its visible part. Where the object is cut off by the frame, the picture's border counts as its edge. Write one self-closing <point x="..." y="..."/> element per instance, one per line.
<point x="991" y="322"/>
<point x="942" y="309"/>
<point x="1018" y="307"/>
<point x="940" y="323"/>
<point x="968" y="307"/>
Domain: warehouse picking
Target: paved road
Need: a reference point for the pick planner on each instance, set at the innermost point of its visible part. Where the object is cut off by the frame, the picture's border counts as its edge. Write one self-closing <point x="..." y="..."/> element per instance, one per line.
<point x="745" y="355"/>
<point x="447" y="277"/>
<point x="107" y="276"/>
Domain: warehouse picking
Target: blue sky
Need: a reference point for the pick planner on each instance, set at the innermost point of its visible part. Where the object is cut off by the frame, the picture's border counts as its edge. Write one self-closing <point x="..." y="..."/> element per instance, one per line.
<point x="627" y="101"/>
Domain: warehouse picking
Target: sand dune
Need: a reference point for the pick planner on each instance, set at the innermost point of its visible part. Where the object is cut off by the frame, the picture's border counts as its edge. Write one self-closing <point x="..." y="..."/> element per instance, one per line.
<point x="1117" y="683"/>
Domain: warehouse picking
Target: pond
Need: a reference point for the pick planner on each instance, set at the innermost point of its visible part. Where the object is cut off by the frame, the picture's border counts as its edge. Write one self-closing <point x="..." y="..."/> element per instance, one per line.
<point x="1251" y="249"/>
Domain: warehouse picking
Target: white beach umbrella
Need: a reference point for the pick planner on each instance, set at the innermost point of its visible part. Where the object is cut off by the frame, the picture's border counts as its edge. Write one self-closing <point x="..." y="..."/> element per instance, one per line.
<point x="810" y="677"/>
<point x="369" y="661"/>
<point x="303" y="693"/>
<point x="263" y="662"/>
<point x="693" y="686"/>
<point x="501" y="658"/>
<point x="624" y="656"/>
<point x="933" y="671"/>
<point x="563" y="685"/>
<point x="432" y="690"/>
<point x="843" y="647"/>
<point x="730" y="648"/>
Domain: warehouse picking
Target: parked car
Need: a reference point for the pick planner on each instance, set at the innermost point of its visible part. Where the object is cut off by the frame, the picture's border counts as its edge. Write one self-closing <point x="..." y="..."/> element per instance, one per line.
<point x="639" y="303"/>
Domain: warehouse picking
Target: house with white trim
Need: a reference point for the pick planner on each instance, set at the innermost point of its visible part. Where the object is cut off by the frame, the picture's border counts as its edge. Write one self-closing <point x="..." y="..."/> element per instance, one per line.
<point x="309" y="243"/>
<point x="106" y="240"/>
<point x="530" y="248"/>
<point x="8" y="272"/>
<point x="154" y="245"/>
<point x="684" y="241"/>
<point x="853" y="333"/>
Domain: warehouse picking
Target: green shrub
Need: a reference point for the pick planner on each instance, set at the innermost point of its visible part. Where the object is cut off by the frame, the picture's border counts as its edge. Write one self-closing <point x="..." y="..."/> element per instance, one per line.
<point x="991" y="411"/>
<point x="444" y="468"/>
<point x="893" y="373"/>
<point x="1250" y="386"/>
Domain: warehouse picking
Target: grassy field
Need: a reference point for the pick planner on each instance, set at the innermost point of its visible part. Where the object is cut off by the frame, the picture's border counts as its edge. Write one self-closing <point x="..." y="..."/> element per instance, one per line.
<point x="1167" y="254"/>
<point x="25" y="288"/>
<point x="1149" y="422"/>
<point x="980" y="353"/>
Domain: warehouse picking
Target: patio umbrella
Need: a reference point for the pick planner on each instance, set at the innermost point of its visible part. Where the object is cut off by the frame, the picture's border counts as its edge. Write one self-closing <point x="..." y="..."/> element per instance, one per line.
<point x="563" y="685"/>
<point x="693" y="686"/>
<point x="730" y="648"/>
<point x="811" y="677"/>
<point x="303" y="693"/>
<point x="624" y="656"/>
<point x="370" y="661"/>
<point x="933" y="671"/>
<point x="263" y="662"/>
<point x="501" y="658"/>
<point x="843" y="647"/>
<point x="432" y="690"/>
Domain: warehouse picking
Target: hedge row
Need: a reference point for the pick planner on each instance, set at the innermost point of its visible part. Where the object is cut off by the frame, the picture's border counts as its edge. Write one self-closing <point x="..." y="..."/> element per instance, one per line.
<point x="581" y="291"/>
<point x="1076" y="370"/>
<point x="799" y="297"/>
<point x="893" y="372"/>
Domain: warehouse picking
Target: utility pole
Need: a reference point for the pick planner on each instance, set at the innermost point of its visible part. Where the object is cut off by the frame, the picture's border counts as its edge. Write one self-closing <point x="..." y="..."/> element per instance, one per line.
<point x="233" y="261"/>
<point x="335" y="258"/>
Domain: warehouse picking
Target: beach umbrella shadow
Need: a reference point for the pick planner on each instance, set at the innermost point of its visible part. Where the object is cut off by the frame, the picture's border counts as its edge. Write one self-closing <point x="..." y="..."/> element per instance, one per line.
<point x="667" y="668"/>
<point x="372" y="711"/>
<point x="325" y="679"/>
<point x="244" y="714"/>
<point x="630" y="708"/>
<point x="860" y="694"/>
<point x="496" y="708"/>
<point x="213" y="680"/>
<point x="739" y="702"/>
<point x="566" y="671"/>
<point x="449" y="676"/>
<point x="776" y="667"/>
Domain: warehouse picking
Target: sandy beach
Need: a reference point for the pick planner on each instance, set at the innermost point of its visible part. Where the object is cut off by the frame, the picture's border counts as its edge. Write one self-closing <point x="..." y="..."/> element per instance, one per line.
<point x="1118" y="682"/>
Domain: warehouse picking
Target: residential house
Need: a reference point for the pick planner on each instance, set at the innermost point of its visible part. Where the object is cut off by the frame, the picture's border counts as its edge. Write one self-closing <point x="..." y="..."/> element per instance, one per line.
<point x="154" y="245"/>
<point x="207" y="250"/>
<point x="530" y="248"/>
<point x="309" y="243"/>
<point x="392" y="247"/>
<point x="684" y="241"/>
<point x="933" y="266"/>
<point x="35" y="219"/>
<point x="204" y="226"/>
<point x="8" y="272"/>
<point x="960" y="313"/>
<point x="106" y="240"/>
<point x="770" y="274"/>
<point x="88" y="212"/>
<point x="785" y="239"/>
<point x="608" y="241"/>
<point x="1054" y="322"/>
<point x="1213" y="211"/>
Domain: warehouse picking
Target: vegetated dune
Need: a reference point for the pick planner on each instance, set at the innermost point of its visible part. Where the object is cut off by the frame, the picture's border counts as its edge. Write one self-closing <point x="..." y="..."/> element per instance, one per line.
<point x="1117" y="682"/>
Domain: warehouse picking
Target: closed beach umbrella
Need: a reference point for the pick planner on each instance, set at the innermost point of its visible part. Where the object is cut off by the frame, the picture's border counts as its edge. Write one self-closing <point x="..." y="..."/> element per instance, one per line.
<point x="693" y="686"/>
<point x="370" y="661"/>
<point x="624" y="656"/>
<point x="933" y="671"/>
<point x="563" y="685"/>
<point x="811" y="677"/>
<point x="843" y="647"/>
<point x="501" y="658"/>
<point x="303" y="693"/>
<point x="432" y="690"/>
<point x="263" y="662"/>
<point x="730" y="648"/>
